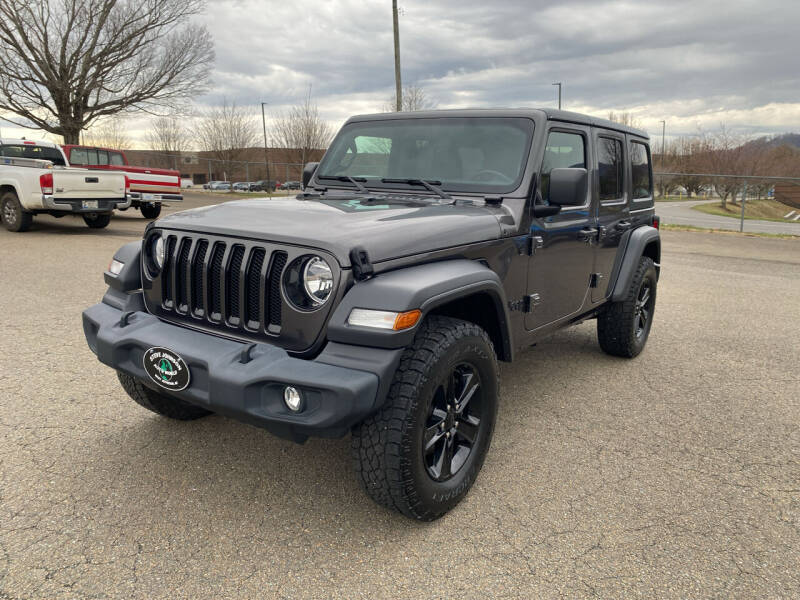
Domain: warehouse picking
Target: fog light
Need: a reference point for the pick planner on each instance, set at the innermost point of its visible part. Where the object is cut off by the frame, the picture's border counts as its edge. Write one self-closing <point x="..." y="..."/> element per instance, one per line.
<point x="293" y="398"/>
<point x="115" y="267"/>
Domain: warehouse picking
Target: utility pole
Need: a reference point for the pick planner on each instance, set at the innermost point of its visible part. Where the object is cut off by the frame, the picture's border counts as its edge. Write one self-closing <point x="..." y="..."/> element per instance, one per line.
<point x="266" y="149"/>
<point x="559" y="94"/>
<point x="398" y="84"/>
<point x="663" y="146"/>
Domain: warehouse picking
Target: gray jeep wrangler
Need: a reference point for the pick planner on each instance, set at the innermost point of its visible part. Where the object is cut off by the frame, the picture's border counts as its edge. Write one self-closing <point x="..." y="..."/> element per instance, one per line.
<point x="425" y="248"/>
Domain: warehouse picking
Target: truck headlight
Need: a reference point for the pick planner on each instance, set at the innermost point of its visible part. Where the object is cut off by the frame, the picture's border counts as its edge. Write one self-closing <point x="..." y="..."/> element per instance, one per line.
<point x="318" y="280"/>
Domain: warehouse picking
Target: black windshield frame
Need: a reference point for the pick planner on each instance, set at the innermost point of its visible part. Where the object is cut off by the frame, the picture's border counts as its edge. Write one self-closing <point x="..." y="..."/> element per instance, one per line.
<point x="346" y="139"/>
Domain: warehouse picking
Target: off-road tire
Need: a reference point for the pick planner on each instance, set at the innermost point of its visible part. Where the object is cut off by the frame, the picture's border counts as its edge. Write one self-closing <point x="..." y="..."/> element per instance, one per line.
<point x="13" y="216"/>
<point x="618" y="324"/>
<point x="97" y="220"/>
<point x="150" y="210"/>
<point x="387" y="447"/>
<point x="165" y="406"/>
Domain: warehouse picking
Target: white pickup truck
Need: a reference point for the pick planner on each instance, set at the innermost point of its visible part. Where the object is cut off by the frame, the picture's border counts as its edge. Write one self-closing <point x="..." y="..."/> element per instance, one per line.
<point x="35" y="178"/>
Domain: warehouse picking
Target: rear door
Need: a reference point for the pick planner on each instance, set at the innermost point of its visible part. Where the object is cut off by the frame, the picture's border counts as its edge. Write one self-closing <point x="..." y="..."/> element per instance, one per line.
<point x="613" y="213"/>
<point x="559" y="270"/>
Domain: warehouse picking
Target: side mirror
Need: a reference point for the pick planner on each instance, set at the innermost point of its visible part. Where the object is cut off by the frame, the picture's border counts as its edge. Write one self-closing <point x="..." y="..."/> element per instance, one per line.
<point x="568" y="187"/>
<point x="308" y="172"/>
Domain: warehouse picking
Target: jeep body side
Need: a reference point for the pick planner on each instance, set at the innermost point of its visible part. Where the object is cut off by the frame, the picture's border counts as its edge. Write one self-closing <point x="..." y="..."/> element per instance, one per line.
<point x="35" y="178"/>
<point x="425" y="247"/>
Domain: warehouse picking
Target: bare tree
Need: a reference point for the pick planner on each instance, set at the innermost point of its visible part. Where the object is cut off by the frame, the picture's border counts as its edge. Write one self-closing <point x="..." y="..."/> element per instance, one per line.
<point x="168" y="135"/>
<point x="302" y="131"/>
<point x="624" y="118"/>
<point x="414" y="98"/>
<point x="64" y="64"/>
<point x="112" y="132"/>
<point x="226" y="132"/>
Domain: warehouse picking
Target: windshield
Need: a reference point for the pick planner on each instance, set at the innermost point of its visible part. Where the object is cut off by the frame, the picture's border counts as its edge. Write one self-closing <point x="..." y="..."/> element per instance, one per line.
<point x="32" y="151"/>
<point x="476" y="154"/>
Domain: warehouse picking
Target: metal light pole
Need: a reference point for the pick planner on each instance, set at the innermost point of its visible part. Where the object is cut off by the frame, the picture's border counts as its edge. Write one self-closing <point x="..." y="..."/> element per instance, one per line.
<point x="559" y="94"/>
<point x="398" y="85"/>
<point x="663" y="147"/>
<point x="266" y="150"/>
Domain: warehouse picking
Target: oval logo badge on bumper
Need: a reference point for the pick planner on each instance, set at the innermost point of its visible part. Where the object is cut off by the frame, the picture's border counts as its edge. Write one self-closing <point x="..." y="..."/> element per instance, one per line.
<point x="166" y="368"/>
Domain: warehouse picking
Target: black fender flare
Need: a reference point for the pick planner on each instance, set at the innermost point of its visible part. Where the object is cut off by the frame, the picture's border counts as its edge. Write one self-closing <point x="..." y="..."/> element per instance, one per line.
<point x="130" y="277"/>
<point x="638" y="240"/>
<point x="423" y="287"/>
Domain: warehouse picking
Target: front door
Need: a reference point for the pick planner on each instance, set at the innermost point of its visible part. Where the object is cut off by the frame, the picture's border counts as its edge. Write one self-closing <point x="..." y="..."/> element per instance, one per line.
<point x="559" y="271"/>
<point x="613" y="213"/>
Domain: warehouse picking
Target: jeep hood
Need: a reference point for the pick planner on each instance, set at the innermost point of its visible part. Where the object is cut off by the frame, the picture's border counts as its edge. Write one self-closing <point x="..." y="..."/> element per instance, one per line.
<point x="387" y="229"/>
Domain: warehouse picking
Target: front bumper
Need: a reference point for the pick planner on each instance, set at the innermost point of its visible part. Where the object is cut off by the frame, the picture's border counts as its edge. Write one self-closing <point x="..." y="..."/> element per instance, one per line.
<point x="336" y="396"/>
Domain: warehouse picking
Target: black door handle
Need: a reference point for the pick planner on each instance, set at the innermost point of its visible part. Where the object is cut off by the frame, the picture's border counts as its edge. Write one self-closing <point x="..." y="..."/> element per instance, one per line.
<point x="623" y="225"/>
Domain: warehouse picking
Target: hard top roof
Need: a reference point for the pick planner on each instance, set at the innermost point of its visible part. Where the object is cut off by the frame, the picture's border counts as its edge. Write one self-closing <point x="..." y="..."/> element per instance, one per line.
<point x="550" y="114"/>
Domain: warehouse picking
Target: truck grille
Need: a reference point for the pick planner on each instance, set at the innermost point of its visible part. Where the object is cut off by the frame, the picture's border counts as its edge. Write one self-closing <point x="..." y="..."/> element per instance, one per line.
<point x="223" y="282"/>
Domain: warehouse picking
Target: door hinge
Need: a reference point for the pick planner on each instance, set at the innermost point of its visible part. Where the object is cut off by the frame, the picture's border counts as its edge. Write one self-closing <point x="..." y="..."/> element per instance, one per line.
<point x="531" y="301"/>
<point x="594" y="280"/>
<point x="535" y="242"/>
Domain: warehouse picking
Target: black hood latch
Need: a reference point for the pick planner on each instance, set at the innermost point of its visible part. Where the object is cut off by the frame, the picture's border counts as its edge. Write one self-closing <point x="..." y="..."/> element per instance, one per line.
<point x="362" y="268"/>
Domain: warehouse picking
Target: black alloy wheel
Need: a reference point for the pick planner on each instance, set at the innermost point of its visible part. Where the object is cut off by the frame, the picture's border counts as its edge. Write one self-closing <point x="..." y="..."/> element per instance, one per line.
<point x="454" y="422"/>
<point x="644" y="309"/>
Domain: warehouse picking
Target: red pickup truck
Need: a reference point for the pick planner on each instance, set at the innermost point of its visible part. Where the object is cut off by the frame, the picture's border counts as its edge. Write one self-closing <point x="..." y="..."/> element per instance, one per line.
<point x="148" y="187"/>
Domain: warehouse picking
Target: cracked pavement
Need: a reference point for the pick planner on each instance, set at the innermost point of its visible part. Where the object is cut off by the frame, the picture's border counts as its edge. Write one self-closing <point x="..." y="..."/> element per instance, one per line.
<point x="675" y="475"/>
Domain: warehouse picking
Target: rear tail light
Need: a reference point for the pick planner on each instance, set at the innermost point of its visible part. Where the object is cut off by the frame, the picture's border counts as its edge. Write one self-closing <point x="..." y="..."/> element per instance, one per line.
<point x="656" y="221"/>
<point x="46" y="183"/>
<point x="127" y="185"/>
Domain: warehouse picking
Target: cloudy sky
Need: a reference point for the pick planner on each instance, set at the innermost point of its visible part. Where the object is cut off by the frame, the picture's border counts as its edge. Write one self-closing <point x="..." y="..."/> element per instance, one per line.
<point x="696" y="64"/>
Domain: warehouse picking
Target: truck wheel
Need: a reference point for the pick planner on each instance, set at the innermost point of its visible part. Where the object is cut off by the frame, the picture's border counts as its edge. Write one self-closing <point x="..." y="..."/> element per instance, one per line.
<point x="12" y="215"/>
<point x="159" y="403"/>
<point x="150" y="210"/>
<point x="623" y="327"/>
<point x="97" y="220"/>
<point x="421" y="452"/>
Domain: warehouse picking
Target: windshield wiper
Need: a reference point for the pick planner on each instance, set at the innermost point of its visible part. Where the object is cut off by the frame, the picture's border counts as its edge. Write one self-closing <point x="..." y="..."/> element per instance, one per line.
<point x="430" y="185"/>
<point x="356" y="181"/>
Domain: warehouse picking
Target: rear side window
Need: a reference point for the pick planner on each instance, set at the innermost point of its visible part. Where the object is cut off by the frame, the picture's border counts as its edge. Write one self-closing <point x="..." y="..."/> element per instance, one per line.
<point x="641" y="174"/>
<point x="563" y="151"/>
<point x="78" y="156"/>
<point x="609" y="164"/>
<point x="33" y="151"/>
<point x="116" y="159"/>
<point x="102" y="157"/>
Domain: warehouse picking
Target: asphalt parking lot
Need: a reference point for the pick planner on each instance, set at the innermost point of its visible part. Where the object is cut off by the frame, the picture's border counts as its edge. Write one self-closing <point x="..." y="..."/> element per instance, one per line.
<point x="675" y="475"/>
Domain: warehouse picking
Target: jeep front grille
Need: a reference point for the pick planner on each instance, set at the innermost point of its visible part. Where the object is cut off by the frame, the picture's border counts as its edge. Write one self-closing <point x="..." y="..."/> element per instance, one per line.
<point x="232" y="287"/>
<point x="233" y="284"/>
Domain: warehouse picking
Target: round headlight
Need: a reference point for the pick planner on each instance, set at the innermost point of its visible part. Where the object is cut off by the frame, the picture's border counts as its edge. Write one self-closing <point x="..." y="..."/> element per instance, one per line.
<point x="159" y="249"/>
<point x="318" y="280"/>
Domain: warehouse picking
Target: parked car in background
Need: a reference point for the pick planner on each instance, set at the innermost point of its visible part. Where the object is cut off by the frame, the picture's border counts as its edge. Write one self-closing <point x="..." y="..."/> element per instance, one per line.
<point x="35" y="178"/>
<point x="186" y="182"/>
<point x="263" y="185"/>
<point x="220" y="186"/>
<point x="149" y="187"/>
<point x="241" y="186"/>
<point x="290" y="185"/>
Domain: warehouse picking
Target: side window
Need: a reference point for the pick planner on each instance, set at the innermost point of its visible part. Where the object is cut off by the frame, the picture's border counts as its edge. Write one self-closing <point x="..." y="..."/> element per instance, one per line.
<point x="116" y="159"/>
<point x="563" y="150"/>
<point x="78" y="156"/>
<point x="641" y="175"/>
<point x="102" y="157"/>
<point x="91" y="157"/>
<point x="609" y="164"/>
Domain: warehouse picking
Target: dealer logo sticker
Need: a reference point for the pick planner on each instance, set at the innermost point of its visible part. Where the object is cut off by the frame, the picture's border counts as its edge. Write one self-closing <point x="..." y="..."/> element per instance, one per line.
<point x="166" y="368"/>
